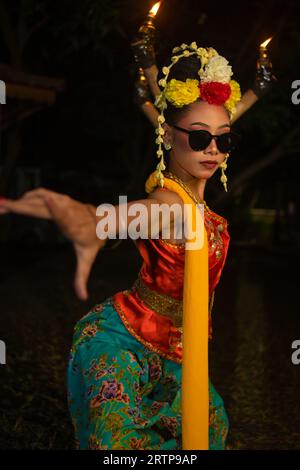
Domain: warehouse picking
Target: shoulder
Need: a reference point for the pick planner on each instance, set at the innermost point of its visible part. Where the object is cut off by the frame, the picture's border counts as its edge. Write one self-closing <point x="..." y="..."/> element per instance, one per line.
<point x="164" y="195"/>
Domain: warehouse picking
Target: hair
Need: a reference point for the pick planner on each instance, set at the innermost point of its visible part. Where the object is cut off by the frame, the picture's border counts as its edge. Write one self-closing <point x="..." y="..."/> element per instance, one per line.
<point x="186" y="67"/>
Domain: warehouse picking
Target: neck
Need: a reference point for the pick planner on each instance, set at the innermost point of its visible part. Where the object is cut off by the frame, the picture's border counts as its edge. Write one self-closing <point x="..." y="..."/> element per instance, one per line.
<point x="197" y="185"/>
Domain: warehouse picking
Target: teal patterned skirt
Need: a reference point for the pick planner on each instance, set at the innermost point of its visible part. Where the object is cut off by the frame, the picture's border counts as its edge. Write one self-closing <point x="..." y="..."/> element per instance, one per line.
<point x="124" y="396"/>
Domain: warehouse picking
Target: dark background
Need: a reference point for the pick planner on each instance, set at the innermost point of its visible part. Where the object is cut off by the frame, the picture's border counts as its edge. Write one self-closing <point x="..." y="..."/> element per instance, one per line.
<point x="93" y="143"/>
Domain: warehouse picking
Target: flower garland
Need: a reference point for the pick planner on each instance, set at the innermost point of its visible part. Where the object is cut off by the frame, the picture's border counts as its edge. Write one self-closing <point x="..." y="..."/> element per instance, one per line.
<point x="214" y="86"/>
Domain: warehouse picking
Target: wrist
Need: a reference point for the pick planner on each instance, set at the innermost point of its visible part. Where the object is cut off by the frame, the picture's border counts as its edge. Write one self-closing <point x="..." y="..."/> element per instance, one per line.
<point x="92" y="210"/>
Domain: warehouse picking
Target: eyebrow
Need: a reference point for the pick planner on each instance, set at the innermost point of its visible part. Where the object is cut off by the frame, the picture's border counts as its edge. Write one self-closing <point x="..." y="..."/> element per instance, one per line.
<point x="206" y="125"/>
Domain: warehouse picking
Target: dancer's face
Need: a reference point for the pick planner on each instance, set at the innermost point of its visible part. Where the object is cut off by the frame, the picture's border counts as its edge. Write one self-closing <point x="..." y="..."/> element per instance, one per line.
<point x="204" y="116"/>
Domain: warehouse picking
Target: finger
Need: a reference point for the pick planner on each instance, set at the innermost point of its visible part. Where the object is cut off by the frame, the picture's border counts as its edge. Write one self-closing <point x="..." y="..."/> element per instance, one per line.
<point x="85" y="261"/>
<point x="25" y="208"/>
<point x="39" y="192"/>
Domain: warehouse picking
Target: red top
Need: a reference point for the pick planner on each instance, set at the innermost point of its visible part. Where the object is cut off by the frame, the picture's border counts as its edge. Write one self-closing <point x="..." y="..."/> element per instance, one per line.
<point x="162" y="271"/>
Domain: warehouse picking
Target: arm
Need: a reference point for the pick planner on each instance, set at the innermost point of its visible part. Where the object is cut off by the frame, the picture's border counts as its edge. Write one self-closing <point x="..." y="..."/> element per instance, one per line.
<point x="80" y="223"/>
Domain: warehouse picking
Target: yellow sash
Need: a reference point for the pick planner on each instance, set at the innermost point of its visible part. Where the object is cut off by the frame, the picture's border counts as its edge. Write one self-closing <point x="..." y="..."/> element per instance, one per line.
<point x="195" y="394"/>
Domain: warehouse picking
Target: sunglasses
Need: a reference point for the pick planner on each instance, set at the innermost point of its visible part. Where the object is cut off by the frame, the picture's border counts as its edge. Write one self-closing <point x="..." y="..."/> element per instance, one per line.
<point x="200" y="140"/>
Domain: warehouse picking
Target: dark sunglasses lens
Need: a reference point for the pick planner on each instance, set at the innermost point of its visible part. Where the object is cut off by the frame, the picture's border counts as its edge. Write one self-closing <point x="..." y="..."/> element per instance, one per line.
<point x="227" y="142"/>
<point x="199" y="140"/>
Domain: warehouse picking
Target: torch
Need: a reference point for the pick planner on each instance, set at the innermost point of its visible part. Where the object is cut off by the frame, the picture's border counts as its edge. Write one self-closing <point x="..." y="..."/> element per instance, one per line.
<point x="264" y="79"/>
<point x="143" y="50"/>
<point x="264" y="76"/>
<point x="263" y="60"/>
<point x="147" y="30"/>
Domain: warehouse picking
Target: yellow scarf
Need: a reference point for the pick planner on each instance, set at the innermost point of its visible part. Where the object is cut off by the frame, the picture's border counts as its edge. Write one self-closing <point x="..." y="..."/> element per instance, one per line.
<point x="195" y="394"/>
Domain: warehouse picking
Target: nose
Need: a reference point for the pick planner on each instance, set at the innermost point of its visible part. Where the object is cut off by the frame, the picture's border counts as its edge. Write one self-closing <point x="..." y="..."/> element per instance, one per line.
<point x="212" y="148"/>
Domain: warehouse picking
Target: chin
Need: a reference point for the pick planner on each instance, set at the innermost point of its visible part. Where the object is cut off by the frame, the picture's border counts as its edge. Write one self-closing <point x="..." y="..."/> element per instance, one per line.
<point x="204" y="174"/>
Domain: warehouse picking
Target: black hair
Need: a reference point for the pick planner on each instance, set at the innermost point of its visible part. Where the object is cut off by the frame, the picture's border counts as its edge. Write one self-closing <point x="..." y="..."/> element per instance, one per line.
<point x="186" y="67"/>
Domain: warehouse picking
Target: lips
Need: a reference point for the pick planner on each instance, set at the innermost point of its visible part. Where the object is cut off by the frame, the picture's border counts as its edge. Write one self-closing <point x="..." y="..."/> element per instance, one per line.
<point x="209" y="161"/>
<point x="210" y="165"/>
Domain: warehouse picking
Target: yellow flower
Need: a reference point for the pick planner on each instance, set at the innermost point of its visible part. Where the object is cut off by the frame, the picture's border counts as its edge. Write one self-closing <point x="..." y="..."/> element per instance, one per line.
<point x="180" y="93"/>
<point x="235" y="96"/>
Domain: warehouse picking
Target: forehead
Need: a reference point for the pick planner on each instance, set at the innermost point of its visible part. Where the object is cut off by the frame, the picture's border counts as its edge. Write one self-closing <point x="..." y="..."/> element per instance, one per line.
<point x="210" y="114"/>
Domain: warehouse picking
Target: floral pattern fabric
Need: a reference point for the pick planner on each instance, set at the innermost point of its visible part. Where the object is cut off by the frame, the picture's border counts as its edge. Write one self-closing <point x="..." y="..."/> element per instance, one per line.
<point x="124" y="396"/>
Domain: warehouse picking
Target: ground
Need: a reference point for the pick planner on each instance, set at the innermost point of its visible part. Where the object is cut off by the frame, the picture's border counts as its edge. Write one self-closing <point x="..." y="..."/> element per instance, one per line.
<point x="255" y="321"/>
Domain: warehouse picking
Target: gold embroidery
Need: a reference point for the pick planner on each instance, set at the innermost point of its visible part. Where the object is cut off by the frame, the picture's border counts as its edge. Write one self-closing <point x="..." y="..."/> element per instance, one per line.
<point x="147" y="344"/>
<point x="164" y="304"/>
<point x="211" y="301"/>
<point x="160" y="303"/>
<point x="181" y="246"/>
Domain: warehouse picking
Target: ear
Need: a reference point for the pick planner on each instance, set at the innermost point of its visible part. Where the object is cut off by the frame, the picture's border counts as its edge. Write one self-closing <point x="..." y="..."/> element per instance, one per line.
<point x="168" y="136"/>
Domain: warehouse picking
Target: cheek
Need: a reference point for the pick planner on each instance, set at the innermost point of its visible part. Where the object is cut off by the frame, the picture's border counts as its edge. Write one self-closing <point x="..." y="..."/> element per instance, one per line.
<point x="181" y="142"/>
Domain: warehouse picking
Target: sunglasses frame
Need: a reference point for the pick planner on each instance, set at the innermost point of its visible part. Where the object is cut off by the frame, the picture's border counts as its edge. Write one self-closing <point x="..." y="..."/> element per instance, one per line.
<point x="216" y="137"/>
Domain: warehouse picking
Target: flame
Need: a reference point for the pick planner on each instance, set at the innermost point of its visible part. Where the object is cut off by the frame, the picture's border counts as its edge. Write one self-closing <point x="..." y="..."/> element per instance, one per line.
<point x="154" y="9"/>
<point x="265" y="43"/>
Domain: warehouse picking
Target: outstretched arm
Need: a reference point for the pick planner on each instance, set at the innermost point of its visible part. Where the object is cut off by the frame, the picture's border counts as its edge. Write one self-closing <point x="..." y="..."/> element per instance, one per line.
<point x="84" y="228"/>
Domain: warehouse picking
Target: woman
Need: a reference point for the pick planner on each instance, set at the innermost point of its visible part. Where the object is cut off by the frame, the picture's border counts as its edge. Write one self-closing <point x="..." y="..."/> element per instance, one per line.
<point x="125" y="369"/>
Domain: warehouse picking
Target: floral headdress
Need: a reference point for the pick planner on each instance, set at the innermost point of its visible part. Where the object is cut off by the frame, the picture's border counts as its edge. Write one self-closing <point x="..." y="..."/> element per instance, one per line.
<point x="214" y="86"/>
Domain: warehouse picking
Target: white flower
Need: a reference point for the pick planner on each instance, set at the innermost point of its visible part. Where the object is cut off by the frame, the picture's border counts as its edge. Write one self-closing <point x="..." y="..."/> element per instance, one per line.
<point x="174" y="59"/>
<point x="217" y="70"/>
<point x="186" y="53"/>
<point x="162" y="82"/>
<point x="161" y="119"/>
<point x="165" y="70"/>
<point x="183" y="46"/>
<point x="176" y="49"/>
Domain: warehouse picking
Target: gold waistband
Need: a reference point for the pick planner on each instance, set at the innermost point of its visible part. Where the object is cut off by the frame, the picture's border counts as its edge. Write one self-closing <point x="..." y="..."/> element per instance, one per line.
<point x="163" y="304"/>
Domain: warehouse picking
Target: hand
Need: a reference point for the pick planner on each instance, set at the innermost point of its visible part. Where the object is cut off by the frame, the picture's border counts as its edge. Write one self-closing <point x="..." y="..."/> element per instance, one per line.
<point x="76" y="220"/>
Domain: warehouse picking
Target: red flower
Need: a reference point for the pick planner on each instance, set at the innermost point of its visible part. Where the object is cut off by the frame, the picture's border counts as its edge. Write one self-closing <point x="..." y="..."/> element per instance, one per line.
<point x="215" y="92"/>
